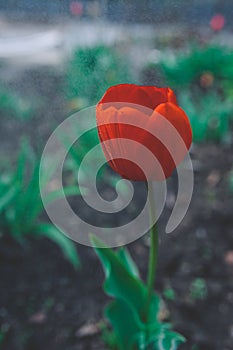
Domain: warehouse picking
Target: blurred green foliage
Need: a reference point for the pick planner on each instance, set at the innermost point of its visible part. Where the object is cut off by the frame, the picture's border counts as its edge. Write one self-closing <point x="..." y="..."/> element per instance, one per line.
<point x="186" y="70"/>
<point x="89" y="171"/>
<point x="21" y="205"/>
<point x="198" y="289"/>
<point x="169" y="293"/>
<point x="79" y="150"/>
<point x="230" y="180"/>
<point x="210" y="117"/>
<point x="14" y="105"/>
<point x="134" y="325"/>
<point x="90" y="72"/>
<point x="203" y="80"/>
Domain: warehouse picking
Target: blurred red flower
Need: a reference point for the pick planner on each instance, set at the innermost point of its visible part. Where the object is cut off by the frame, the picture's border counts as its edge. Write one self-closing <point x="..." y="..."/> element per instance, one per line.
<point x="149" y="116"/>
<point x="76" y="8"/>
<point x="217" y="22"/>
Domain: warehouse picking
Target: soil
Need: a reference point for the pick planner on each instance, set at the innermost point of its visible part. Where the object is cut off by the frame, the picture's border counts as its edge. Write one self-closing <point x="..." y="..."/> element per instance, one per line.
<point x="44" y="302"/>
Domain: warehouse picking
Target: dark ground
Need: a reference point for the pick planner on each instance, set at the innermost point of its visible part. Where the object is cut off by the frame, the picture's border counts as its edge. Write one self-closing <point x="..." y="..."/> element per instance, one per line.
<point x="44" y="302"/>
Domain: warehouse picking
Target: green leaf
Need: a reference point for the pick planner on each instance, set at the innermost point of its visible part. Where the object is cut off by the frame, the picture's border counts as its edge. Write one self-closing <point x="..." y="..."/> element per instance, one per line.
<point x="125" y="322"/>
<point x="28" y="199"/>
<point x="128" y="262"/>
<point x="65" y="243"/>
<point x="67" y="191"/>
<point x="7" y="197"/>
<point x="21" y="203"/>
<point x="154" y="309"/>
<point x="47" y="168"/>
<point x="21" y="165"/>
<point x="134" y="329"/>
<point x="132" y="334"/>
<point x="166" y="340"/>
<point x="120" y="283"/>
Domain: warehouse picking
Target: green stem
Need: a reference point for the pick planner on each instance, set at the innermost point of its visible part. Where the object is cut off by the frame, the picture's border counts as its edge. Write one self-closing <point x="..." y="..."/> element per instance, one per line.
<point x="154" y="244"/>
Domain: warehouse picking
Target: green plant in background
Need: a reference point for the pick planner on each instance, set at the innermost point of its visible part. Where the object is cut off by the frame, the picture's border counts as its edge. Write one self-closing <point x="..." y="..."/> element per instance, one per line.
<point x="21" y="204"/>
<point x="195" y="347"/>
<point x="198" y="289"/>
<point x="5" y="327"/>
<point x="204" y="79"/>
<point x="209" y="115"/>
<point x="79" y="150"/>
<point x="135" y="325"/>
<point x="90" y="72"/>
<point x="230" y="180"/>
<point x="209" y="67"/>
<point x="15" y="105"/>
<point x="169" y="293"/>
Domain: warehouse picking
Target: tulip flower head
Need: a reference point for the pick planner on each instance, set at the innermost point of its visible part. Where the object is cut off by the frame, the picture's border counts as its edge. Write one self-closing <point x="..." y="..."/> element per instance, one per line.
<point x="217" y="22"/>
<point x="143" y="132"/>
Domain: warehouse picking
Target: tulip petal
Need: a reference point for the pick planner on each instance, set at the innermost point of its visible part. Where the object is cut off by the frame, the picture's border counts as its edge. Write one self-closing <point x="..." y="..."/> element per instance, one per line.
<point x="178" y="118"/>
<point x="147" y="96"/>
<point x="128" y="93"/>
<point x="173" y="150"/>
<point x="112" y="125"/>
<point x="171" y="96"/>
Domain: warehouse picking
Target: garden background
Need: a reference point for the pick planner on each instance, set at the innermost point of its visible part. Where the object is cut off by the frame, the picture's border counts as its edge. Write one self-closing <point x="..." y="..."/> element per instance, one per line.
<point x="57" y="57"/>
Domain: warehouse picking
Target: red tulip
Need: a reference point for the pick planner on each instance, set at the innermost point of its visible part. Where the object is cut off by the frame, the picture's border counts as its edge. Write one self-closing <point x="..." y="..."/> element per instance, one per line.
<point x="217" y="22"/>
<point x="143" y="132"/>
<point x="76" y="8"/>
